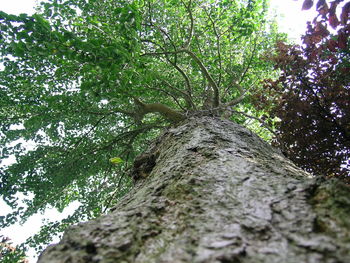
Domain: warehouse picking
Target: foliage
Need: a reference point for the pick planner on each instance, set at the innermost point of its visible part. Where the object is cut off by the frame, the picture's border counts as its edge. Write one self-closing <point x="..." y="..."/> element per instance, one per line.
<point x="312" y="96"/>
<point x="318" y="36"/>
<point x="86" y="81"/>
<point x="9" y="253"/>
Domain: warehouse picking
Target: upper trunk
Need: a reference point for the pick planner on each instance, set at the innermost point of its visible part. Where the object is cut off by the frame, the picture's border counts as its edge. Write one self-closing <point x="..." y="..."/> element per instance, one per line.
<point x="209" y="190"/>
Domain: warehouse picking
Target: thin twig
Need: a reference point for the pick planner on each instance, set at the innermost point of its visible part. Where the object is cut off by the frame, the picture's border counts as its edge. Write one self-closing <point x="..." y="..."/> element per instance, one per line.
<point x="169" y="94"/>
<point x="188" y="95"/>
<point x="207" y="75"/>
<point x="218" y="45"/>
<point x="255" y="118"/>
<point x="237" y="100"/>
<point x="189" y="40"/>
<point x="238" y="84"/>
<point x="204" y="70"/>
<point x="250" y="61"/>
<point x="88" y="132"/>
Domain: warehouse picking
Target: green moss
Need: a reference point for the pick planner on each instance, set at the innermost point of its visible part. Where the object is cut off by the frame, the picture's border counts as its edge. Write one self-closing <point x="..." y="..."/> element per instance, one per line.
<point x="332" y="201"/>
<point x="179" y="191"/>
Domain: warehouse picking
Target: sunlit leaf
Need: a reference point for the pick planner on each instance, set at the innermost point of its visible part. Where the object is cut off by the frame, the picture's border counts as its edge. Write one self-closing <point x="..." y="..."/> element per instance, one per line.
<point x="116" y="160"/>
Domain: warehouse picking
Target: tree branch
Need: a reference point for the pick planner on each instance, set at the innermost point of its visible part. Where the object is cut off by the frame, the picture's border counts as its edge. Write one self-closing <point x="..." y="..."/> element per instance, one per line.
<point x="249" y="62"/>
<point x="165" y="111"/>
<point x="204" y="70"/>
<point x="88" y="132"/>
<point x="115" y="110"/>
<point x="188" y="95"/>
<point x="188" y="84"/>
<point x="207" y="75"/>
<point x="188" y="7"/>
<point x="238" y="85"/>
<point x="255" y="118"/>
<point x="169" y="94"/>
<point x="218" y="45"/>
<point x="237" y="100"/>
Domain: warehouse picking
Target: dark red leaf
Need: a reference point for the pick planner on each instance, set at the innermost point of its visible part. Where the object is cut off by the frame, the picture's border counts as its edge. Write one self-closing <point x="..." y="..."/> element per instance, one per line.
<point x="307" y="40"/>
<point x="313" y="55"/>
<point x="333" y="21"/>
<point x="320" y="3"/>
<point x="307" y="4"/>
<point x="345" y="13"/>
<point x="333" y="8"/>
<point x="346" y="28"/>
<point x="323" y="10"/>
<point x="321" y="29"/>
<point x="345" y="70"/>
<point x="334" y="60"/>
<point x="316" y="38"/>
<point x="332" y="45"/>
<point x="342" y="40"/>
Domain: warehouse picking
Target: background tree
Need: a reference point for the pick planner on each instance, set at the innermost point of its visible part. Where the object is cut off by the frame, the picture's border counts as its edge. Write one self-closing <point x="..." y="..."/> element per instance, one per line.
<point x="93" y="81"/>
<point x="311" y="98"/>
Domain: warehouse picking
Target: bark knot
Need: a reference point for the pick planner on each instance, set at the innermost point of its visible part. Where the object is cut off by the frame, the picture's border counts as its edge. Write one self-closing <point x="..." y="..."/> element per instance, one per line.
<point x="144" y="165"/>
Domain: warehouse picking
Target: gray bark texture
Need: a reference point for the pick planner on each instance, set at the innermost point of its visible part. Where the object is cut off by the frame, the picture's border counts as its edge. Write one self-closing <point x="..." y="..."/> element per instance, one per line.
<point x="209" y="190"/>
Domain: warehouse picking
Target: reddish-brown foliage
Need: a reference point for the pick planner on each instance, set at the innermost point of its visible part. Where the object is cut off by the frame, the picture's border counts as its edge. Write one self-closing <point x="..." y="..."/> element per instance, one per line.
<point x="312" y="95"/>
<point x="312" y="100"/>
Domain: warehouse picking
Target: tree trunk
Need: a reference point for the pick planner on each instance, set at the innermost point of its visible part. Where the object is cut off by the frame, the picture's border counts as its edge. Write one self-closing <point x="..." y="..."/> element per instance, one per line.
<point x="209" y="190"/>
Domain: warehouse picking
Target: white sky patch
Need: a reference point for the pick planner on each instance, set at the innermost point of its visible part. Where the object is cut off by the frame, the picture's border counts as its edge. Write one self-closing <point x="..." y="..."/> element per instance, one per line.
<point x="17" y="7"/>
<point x="19" y="233"/>
<point x="34" y="223"/>
<point x="291" y="20"/>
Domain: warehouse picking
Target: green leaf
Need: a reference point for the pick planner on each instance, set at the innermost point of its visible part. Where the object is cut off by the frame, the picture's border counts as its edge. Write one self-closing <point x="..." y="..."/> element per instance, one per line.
<point x="116" y="160"/>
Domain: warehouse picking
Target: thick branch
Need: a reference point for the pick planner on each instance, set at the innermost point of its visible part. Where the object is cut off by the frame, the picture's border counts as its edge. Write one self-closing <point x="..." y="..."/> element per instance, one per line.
<point x="165" y="111"/>
<point x="207" y="75"/>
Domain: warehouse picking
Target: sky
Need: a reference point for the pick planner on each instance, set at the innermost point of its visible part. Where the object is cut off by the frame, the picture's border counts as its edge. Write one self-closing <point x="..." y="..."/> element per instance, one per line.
<point x="17" y="6"/>
<point x="291" y="20"/>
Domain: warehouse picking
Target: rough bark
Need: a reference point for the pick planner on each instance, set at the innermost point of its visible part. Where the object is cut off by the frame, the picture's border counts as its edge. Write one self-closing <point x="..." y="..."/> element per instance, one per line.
<point x="209" y="190"/>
